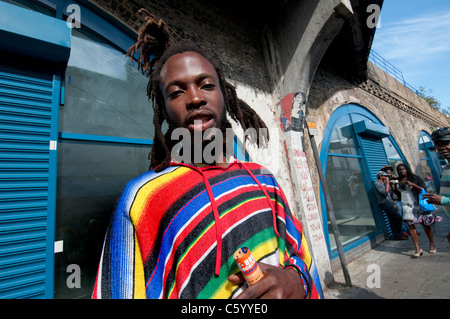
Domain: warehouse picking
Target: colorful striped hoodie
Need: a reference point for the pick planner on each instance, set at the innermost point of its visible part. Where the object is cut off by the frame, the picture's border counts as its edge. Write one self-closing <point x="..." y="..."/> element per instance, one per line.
<point x="173" y="233"/>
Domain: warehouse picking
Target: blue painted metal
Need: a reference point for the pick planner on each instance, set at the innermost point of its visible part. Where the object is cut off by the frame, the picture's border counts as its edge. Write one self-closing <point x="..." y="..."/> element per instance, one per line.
<point x="370" y="128"/>
<point x="105" y="139"/>
<point x="49" y="38"/>
<point x="374" y="154"/>
<point x="95" y="19"/>
<point x="345" y="155"/>
<point x="52" y="178"/>
<point x="387" y="226"/>
<point x="375" y="158"/>
<point x="25" y="125"/>
<point x="29" y="104"/>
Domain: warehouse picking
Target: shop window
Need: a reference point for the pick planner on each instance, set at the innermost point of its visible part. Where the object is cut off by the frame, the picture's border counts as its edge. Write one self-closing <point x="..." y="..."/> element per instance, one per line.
<point x="91" y="177"/>
<point x="342" y="139"/>
<point x="392" y="153"/>
<point x="105" y="93"/>
<point x="106" y="135"/>
<point x="349" y="197"/>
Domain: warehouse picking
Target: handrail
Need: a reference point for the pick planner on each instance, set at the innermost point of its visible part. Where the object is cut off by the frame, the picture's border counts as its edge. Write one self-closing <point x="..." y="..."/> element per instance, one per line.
<point x="386" y="66"/>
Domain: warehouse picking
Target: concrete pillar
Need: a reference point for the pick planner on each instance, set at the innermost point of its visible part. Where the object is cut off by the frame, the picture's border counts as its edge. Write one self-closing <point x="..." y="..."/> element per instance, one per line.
<point x="297" y="43"/>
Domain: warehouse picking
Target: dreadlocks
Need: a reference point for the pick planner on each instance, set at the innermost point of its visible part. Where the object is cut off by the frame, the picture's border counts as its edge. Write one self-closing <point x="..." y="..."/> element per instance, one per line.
<point x="155" y="45"/>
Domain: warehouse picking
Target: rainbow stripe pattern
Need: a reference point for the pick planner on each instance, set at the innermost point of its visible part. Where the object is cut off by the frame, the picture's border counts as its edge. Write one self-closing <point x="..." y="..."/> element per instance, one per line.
<point x="161" y="242"/>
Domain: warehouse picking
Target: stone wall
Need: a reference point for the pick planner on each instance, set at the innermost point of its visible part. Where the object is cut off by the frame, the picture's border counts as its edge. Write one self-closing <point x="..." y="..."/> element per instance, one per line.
<point x="231" y="40"/>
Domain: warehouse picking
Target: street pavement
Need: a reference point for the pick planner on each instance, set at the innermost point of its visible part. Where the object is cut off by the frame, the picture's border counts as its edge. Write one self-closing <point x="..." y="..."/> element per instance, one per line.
<point x="389" y="270"/>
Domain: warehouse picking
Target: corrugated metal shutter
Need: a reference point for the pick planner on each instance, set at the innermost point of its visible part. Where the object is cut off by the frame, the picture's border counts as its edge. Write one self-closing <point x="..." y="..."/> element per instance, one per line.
<point x="25" y="126"/>
<point x="374" y="153"/>
<point x="376" y="158"/>
<point x="387" y="226"/>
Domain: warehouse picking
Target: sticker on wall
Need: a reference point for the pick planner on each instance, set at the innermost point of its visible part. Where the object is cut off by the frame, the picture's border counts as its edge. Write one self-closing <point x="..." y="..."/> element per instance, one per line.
<point x="293" y="108"/>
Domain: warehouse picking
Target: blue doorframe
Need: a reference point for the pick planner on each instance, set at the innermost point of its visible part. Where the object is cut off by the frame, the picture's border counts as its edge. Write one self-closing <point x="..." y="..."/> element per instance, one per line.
<point x="433" y="159"/>
<point x="373" y="126"/>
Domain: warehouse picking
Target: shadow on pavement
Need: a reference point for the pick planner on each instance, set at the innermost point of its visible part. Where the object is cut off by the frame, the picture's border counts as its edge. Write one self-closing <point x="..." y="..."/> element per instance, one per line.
<point x="338" y="290"/>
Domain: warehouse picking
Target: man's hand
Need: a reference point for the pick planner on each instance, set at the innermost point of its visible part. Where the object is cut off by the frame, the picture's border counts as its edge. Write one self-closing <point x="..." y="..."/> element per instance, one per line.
<point x="433" y="198"/>
<point x="277" y="283"/>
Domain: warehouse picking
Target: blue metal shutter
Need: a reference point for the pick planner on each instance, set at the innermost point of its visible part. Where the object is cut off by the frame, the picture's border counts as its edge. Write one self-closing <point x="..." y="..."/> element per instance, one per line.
<point x="374" y="153"/>
<point x="376" y="158"/>
<point x="25" y="127"/>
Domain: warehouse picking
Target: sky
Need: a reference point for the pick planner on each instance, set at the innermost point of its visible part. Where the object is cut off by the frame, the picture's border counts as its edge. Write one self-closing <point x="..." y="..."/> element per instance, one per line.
<point x="414" y="36"/>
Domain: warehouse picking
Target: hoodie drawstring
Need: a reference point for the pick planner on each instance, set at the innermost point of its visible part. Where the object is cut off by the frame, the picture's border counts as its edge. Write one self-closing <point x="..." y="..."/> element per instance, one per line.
<point x="216" y="211"/>
<point x="216" y="222"/>
<point x="271" y="204"/>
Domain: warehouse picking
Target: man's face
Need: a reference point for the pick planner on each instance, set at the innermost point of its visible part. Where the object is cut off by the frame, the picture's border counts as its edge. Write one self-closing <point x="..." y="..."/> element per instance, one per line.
<point x="443" y="148"/>
<point x="191" y="90"/>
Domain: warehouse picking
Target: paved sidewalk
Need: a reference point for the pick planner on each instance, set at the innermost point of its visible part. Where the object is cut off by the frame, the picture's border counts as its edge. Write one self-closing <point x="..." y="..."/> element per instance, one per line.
<point x="402" y="276"/>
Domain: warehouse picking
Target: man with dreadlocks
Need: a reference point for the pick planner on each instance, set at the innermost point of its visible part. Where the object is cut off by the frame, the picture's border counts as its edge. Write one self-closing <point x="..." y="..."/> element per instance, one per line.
<point x="176" y="228"/>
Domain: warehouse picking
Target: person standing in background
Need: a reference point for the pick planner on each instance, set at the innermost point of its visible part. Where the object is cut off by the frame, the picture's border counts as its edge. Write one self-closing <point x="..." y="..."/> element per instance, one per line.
<point x="410" y="186"/>
<point x="383" y="191"/>
<point x="393" y="180"/>
<point x="441" y="139"/>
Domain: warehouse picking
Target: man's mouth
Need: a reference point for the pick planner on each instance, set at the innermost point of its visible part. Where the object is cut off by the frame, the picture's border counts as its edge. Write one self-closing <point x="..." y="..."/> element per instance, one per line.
<point x="200" y="120"/>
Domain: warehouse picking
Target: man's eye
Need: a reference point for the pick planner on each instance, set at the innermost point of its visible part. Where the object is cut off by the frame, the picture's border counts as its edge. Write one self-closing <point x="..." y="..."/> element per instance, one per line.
<point x="208" y="86"/>
<point x="175" y="93"/>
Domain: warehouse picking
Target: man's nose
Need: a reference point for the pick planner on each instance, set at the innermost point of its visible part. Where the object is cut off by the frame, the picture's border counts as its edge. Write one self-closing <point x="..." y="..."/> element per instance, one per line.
<point x="196" y="98"/>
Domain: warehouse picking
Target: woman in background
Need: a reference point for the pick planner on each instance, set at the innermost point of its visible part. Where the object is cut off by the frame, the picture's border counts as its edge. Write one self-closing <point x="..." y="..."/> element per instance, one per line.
<point x="410" y="186"/>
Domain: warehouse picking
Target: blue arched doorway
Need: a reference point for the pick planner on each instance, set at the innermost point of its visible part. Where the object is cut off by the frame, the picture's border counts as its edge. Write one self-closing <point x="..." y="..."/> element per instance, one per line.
<point x="355" y="146"/>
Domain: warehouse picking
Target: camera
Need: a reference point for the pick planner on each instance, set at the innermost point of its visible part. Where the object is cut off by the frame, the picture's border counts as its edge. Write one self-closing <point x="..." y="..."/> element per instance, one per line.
<point x="393" y="179"/>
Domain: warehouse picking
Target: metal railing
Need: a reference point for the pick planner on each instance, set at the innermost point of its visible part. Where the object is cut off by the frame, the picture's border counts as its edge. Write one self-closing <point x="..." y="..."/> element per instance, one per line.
<point x="387" y="67"/>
